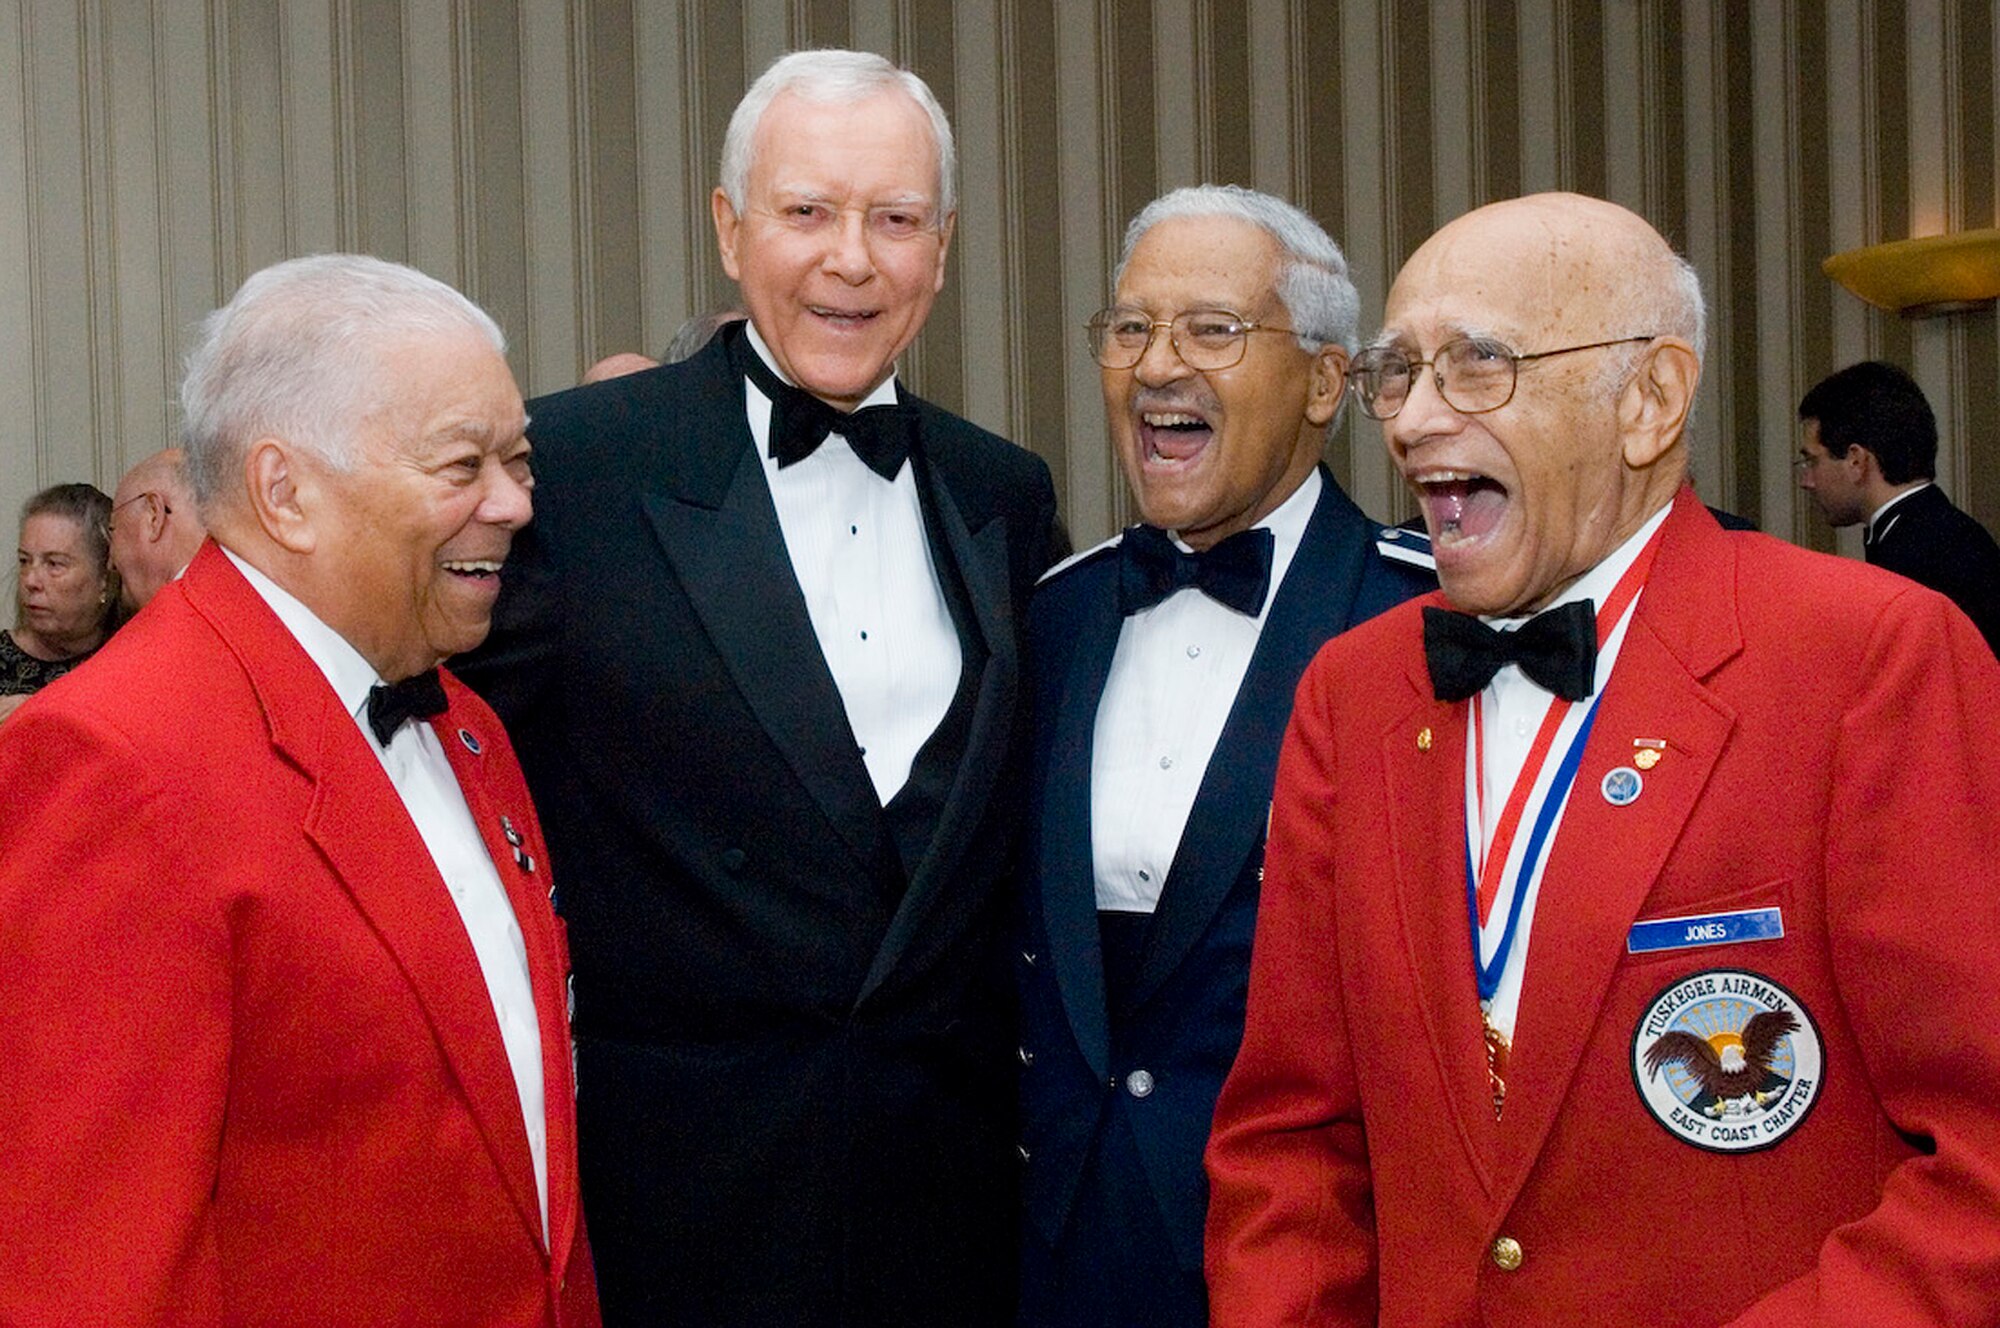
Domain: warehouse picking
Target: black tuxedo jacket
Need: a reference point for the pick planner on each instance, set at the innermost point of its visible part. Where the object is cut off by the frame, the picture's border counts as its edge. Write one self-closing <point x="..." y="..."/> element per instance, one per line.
<point x="795" y="1066"/>
<point x="1114" y="1192"/>
<point x="1927" y="539"/>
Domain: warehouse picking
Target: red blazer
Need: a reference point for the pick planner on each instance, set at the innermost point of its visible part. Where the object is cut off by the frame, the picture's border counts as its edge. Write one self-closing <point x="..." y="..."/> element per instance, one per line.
<point x="1827" y="754"/>
<point x="251" y="1072"/>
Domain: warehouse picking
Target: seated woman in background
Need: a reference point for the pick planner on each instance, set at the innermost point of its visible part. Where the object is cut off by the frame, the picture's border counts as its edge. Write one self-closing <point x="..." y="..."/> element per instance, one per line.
<point x="65" y="597"/>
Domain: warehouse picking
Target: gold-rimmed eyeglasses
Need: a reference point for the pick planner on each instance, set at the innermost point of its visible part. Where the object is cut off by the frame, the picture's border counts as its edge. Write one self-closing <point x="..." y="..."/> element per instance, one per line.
<point x="166" y="508"/>
<point x="1205" y="339"/>
<point x="1472" y="374"/>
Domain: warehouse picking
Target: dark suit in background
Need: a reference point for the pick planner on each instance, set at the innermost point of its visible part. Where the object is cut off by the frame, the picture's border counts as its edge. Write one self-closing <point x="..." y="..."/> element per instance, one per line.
<point x="1927" y="539"/>
<point x="793" y="1018"/>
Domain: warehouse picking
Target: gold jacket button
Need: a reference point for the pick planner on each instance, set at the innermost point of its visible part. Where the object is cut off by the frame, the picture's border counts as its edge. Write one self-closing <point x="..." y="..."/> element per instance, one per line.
<point x="1506" y="1253"/>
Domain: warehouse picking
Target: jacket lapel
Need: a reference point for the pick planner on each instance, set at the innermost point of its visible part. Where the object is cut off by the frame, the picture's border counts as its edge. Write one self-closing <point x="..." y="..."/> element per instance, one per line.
<point x="1067" y="866"/>
<point x="377" y="855"/>
<point x="1226" y="824"/>
<point x="981" y="560"/>
<point x="1605" y="859"/>
<point x="720" y="532"/>
<point x="1423" y="760"/>
<point x="523" y="871"/>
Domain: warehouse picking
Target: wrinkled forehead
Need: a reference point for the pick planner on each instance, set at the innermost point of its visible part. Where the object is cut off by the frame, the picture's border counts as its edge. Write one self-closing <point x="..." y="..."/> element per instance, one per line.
<point x="884" y="140"/>
<point x="1201" y="260"/>
<point x="1529" y="277"/>
<point x="51" y="532"/>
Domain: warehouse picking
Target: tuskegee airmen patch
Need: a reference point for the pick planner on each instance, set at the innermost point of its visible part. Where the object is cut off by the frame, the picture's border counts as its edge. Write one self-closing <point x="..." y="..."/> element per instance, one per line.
<point x="1727" y="1060"/>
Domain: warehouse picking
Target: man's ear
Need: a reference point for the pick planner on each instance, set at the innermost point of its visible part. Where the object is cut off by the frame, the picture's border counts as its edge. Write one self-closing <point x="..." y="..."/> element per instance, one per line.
<point x="1653" y="409"/>
<point x="281" y="495"/>
<point x="1862" y="464"/>
<point x="1327" y="386"/>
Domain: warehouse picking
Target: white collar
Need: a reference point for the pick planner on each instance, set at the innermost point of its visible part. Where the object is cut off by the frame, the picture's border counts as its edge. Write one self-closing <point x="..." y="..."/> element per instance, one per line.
<point x="1875" y="517"/>
<point x="1287" y="521"/>
<point x="347" y="671"/>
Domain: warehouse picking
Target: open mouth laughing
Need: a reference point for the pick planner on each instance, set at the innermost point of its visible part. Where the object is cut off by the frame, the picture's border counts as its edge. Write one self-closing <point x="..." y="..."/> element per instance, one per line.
<point x="1173" y="435"/>
<point x="1461" y="507"/>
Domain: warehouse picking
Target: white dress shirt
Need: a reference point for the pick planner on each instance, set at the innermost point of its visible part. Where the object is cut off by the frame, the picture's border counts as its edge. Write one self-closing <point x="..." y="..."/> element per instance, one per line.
<point x="862" y="559"/>
<point x="1513" y="709"/>
<point x="1172" y="683"/>
<point x="423" y="779"/>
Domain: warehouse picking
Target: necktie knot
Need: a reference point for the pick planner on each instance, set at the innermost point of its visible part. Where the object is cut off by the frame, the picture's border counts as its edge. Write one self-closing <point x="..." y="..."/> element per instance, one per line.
<point x="1235" y="573"/>
<point x="882" y="436"/>
<point x="1557" y="649"/>
<point x="390" y="703"/>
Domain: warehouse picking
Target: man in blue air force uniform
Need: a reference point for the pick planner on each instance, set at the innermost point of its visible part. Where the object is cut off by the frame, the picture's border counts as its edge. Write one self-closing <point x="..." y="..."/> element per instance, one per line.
<point x="1162" y="666"/>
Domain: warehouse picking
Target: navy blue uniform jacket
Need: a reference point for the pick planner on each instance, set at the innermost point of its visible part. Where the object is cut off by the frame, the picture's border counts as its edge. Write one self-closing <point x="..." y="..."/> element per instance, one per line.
<point x="1183" y="1017"/>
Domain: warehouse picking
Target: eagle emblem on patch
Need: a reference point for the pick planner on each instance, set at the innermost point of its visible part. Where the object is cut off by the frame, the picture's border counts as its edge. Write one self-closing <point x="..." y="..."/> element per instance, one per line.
<point x="1727" y="1060"/>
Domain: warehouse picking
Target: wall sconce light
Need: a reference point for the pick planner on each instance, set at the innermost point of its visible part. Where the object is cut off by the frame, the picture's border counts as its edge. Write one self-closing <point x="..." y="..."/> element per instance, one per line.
<point x="1937" y="274"/>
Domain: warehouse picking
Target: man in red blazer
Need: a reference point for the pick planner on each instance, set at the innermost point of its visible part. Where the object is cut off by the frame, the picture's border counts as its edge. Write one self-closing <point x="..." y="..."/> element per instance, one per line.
<point x="286" y="1040"/>
<point x="1633" y="963"/>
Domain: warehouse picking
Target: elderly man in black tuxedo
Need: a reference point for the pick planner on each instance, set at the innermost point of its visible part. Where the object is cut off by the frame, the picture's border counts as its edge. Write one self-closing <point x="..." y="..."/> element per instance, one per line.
<point x="759" y="647"/>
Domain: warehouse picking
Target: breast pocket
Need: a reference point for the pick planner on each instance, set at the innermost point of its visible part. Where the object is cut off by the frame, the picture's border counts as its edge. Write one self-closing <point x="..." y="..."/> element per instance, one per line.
<point x="1748" y="924"/>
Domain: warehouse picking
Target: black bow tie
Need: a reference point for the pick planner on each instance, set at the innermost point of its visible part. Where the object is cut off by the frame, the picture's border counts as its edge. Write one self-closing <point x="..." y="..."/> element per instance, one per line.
<point x="1556" y="648"/>
<point x="882" y="436"/>
<point x="390" y="703"/>
<point x="1235" y="573"/>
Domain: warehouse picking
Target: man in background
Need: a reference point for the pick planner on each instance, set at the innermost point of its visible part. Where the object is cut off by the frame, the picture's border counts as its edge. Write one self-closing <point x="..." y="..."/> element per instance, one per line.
<point x="1868" y="456"/>
<point x="762" y="663"/>
<point x="286" y="1039"/>
<point x="155" y="528"/>
<point x="1164" y="664"/>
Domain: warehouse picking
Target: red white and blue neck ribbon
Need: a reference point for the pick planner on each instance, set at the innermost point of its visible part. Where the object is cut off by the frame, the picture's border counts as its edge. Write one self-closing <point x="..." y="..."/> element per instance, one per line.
<point x="1486" y="874"/>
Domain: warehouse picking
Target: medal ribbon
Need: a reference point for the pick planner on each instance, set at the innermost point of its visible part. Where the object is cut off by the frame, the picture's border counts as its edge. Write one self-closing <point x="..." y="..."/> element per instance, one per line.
<point x="1482" y="884"/>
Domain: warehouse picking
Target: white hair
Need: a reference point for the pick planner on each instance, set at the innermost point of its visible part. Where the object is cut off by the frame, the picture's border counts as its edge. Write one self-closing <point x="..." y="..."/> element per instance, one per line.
<point x="1686" y="314"/>
<point x="1666" y="304"/>
<point x="298" y="353"/>
<point x="837" y="77"/>
<point x="1312" y="284"/>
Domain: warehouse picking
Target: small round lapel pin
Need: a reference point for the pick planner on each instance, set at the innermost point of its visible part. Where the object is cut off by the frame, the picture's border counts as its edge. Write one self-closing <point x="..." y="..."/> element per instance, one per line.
<point x="1622" y="786"/>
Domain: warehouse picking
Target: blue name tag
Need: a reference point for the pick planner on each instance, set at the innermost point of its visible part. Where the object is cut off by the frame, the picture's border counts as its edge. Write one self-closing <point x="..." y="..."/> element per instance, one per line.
<point x="1748" y="924"/>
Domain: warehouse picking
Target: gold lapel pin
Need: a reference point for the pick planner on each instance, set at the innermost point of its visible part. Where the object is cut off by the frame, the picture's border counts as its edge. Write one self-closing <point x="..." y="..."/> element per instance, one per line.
<point x="1648" y="751"/>
<point x="1424" y="739"/>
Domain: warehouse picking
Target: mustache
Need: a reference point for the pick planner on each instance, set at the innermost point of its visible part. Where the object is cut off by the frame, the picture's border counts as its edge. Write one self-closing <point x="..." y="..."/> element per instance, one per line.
<point x="1179" y="398"/>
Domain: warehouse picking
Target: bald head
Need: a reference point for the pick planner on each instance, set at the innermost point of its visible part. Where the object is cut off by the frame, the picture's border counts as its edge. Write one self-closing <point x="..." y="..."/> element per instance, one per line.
<point x="618" y="365"/>
<point x="1604" y="322"/>
<point x="1574" y="260"/>
<point x="154" y="527"/>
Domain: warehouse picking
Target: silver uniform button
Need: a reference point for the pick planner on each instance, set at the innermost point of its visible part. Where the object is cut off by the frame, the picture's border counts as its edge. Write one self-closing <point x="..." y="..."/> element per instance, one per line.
<point x="1139" y="1083"/>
